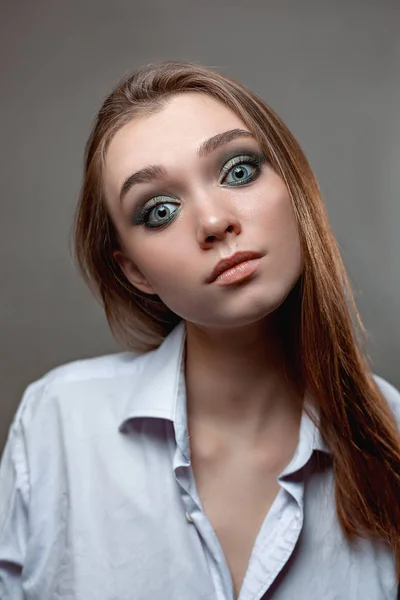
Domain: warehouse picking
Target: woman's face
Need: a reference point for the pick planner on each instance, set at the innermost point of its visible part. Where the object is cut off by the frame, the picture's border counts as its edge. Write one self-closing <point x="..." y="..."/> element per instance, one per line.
<point x="187" y="187"/>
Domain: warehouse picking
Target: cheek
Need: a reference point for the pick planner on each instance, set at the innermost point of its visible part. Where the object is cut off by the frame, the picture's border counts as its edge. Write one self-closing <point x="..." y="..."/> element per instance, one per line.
<point x="276" y="214"/>
<point x="288" y="255"/>
<point x="267" y="205"/>
<point x="162" y="262"/>
<point x="279" y="223"/>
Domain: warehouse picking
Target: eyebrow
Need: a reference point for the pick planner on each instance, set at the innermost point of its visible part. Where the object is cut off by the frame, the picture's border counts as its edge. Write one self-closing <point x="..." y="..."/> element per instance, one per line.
<point x="153" y="172"/>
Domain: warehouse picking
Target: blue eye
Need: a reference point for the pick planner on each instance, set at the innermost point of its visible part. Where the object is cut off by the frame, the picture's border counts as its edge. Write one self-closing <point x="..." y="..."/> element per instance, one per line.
<point x="241" y="170"/>
<point x="240" y="174"/>
<point x="157" y="213"/>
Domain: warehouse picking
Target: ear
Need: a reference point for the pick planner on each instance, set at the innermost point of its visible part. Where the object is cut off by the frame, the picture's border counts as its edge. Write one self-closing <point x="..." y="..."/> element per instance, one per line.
<point x="132" y="273"/>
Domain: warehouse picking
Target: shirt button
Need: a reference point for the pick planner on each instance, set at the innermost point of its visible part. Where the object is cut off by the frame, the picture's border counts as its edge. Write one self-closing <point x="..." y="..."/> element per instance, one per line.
<point x="189" y="518"/>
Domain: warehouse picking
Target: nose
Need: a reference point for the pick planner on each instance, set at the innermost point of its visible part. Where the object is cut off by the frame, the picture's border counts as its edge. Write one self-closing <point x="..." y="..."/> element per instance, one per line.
<point x="215" y="224"/>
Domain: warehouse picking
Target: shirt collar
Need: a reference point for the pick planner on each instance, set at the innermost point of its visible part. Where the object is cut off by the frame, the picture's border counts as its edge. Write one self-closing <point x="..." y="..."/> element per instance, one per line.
<point x="154" y="390"/>
<point x="310" y="440"/>
<point x="158" y="391"/>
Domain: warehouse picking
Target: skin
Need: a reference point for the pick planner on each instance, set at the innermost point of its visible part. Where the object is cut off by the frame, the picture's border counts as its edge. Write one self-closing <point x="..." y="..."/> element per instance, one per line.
<point x="243" y="413"/>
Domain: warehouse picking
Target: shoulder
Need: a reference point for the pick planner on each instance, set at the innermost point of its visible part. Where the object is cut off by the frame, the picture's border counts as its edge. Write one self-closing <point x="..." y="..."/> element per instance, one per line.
<point x="391" y="394"/>
<point x="86" y="385"/>
<point x="99" y="367"/>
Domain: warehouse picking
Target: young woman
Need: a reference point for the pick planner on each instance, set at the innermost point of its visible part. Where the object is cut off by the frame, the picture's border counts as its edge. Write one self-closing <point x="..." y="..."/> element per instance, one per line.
<point x="242" y="447"/>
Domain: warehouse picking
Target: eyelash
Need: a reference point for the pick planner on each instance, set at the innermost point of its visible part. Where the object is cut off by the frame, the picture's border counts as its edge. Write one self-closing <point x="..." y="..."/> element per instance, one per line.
<point x="250" y="159"/>
<point x="254" y="160"/>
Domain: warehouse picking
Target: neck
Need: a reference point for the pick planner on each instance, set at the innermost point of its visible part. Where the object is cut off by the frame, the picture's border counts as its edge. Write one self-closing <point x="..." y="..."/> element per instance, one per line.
<point x="236" y="379"/>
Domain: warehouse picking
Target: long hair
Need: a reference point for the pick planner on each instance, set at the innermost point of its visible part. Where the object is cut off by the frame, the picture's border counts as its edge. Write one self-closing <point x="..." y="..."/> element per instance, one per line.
<point x="324" y="335"/>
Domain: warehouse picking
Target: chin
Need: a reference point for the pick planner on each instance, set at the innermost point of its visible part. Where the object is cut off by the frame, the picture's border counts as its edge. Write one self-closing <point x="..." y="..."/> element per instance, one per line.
<point x="230" y="319"/>
<point x="250" y="306"/>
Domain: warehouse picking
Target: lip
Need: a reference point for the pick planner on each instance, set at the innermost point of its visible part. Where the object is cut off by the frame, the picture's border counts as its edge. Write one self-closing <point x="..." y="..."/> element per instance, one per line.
<point x="232" y="261"/>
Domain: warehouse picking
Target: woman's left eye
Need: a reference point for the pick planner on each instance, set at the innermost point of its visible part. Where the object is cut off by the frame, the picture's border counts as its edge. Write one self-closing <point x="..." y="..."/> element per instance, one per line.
<point x="240" y="170"/>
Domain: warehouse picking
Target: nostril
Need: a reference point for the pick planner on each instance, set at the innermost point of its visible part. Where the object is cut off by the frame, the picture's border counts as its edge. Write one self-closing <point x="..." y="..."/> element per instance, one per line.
<point x="229" y="229"/>
<point x="210" y="238"/>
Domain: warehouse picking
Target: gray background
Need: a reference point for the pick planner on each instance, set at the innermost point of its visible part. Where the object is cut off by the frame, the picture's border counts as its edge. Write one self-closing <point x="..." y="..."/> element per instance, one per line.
<point x="329" y="68"/>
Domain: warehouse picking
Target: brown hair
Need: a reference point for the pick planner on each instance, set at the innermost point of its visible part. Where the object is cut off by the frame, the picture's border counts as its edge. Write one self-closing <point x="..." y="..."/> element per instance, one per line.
<point x="322" y="327"/>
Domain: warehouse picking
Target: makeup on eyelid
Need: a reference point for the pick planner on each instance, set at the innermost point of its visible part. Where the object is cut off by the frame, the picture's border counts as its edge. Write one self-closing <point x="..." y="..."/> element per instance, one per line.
<point x="229" y="161"/>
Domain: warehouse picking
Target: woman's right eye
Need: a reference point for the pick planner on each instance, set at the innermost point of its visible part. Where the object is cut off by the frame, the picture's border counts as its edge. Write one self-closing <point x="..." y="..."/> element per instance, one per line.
<point x="157" y="213"/>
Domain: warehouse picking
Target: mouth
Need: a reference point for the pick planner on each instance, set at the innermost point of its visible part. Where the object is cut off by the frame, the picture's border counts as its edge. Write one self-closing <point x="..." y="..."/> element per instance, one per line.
<point x="235" y="268"/>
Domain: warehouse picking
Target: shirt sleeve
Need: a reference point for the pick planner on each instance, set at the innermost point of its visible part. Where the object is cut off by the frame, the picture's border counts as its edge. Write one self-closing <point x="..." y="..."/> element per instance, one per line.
<point x="14" y="497"/>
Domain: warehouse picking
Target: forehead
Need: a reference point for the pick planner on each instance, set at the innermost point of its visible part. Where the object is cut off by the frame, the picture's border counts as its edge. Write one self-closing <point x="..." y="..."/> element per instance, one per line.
<point x="175" y="131"/>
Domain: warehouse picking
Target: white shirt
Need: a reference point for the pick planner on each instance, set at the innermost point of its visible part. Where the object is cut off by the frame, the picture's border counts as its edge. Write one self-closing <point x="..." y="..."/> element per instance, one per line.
<point x="98" y="499"/>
